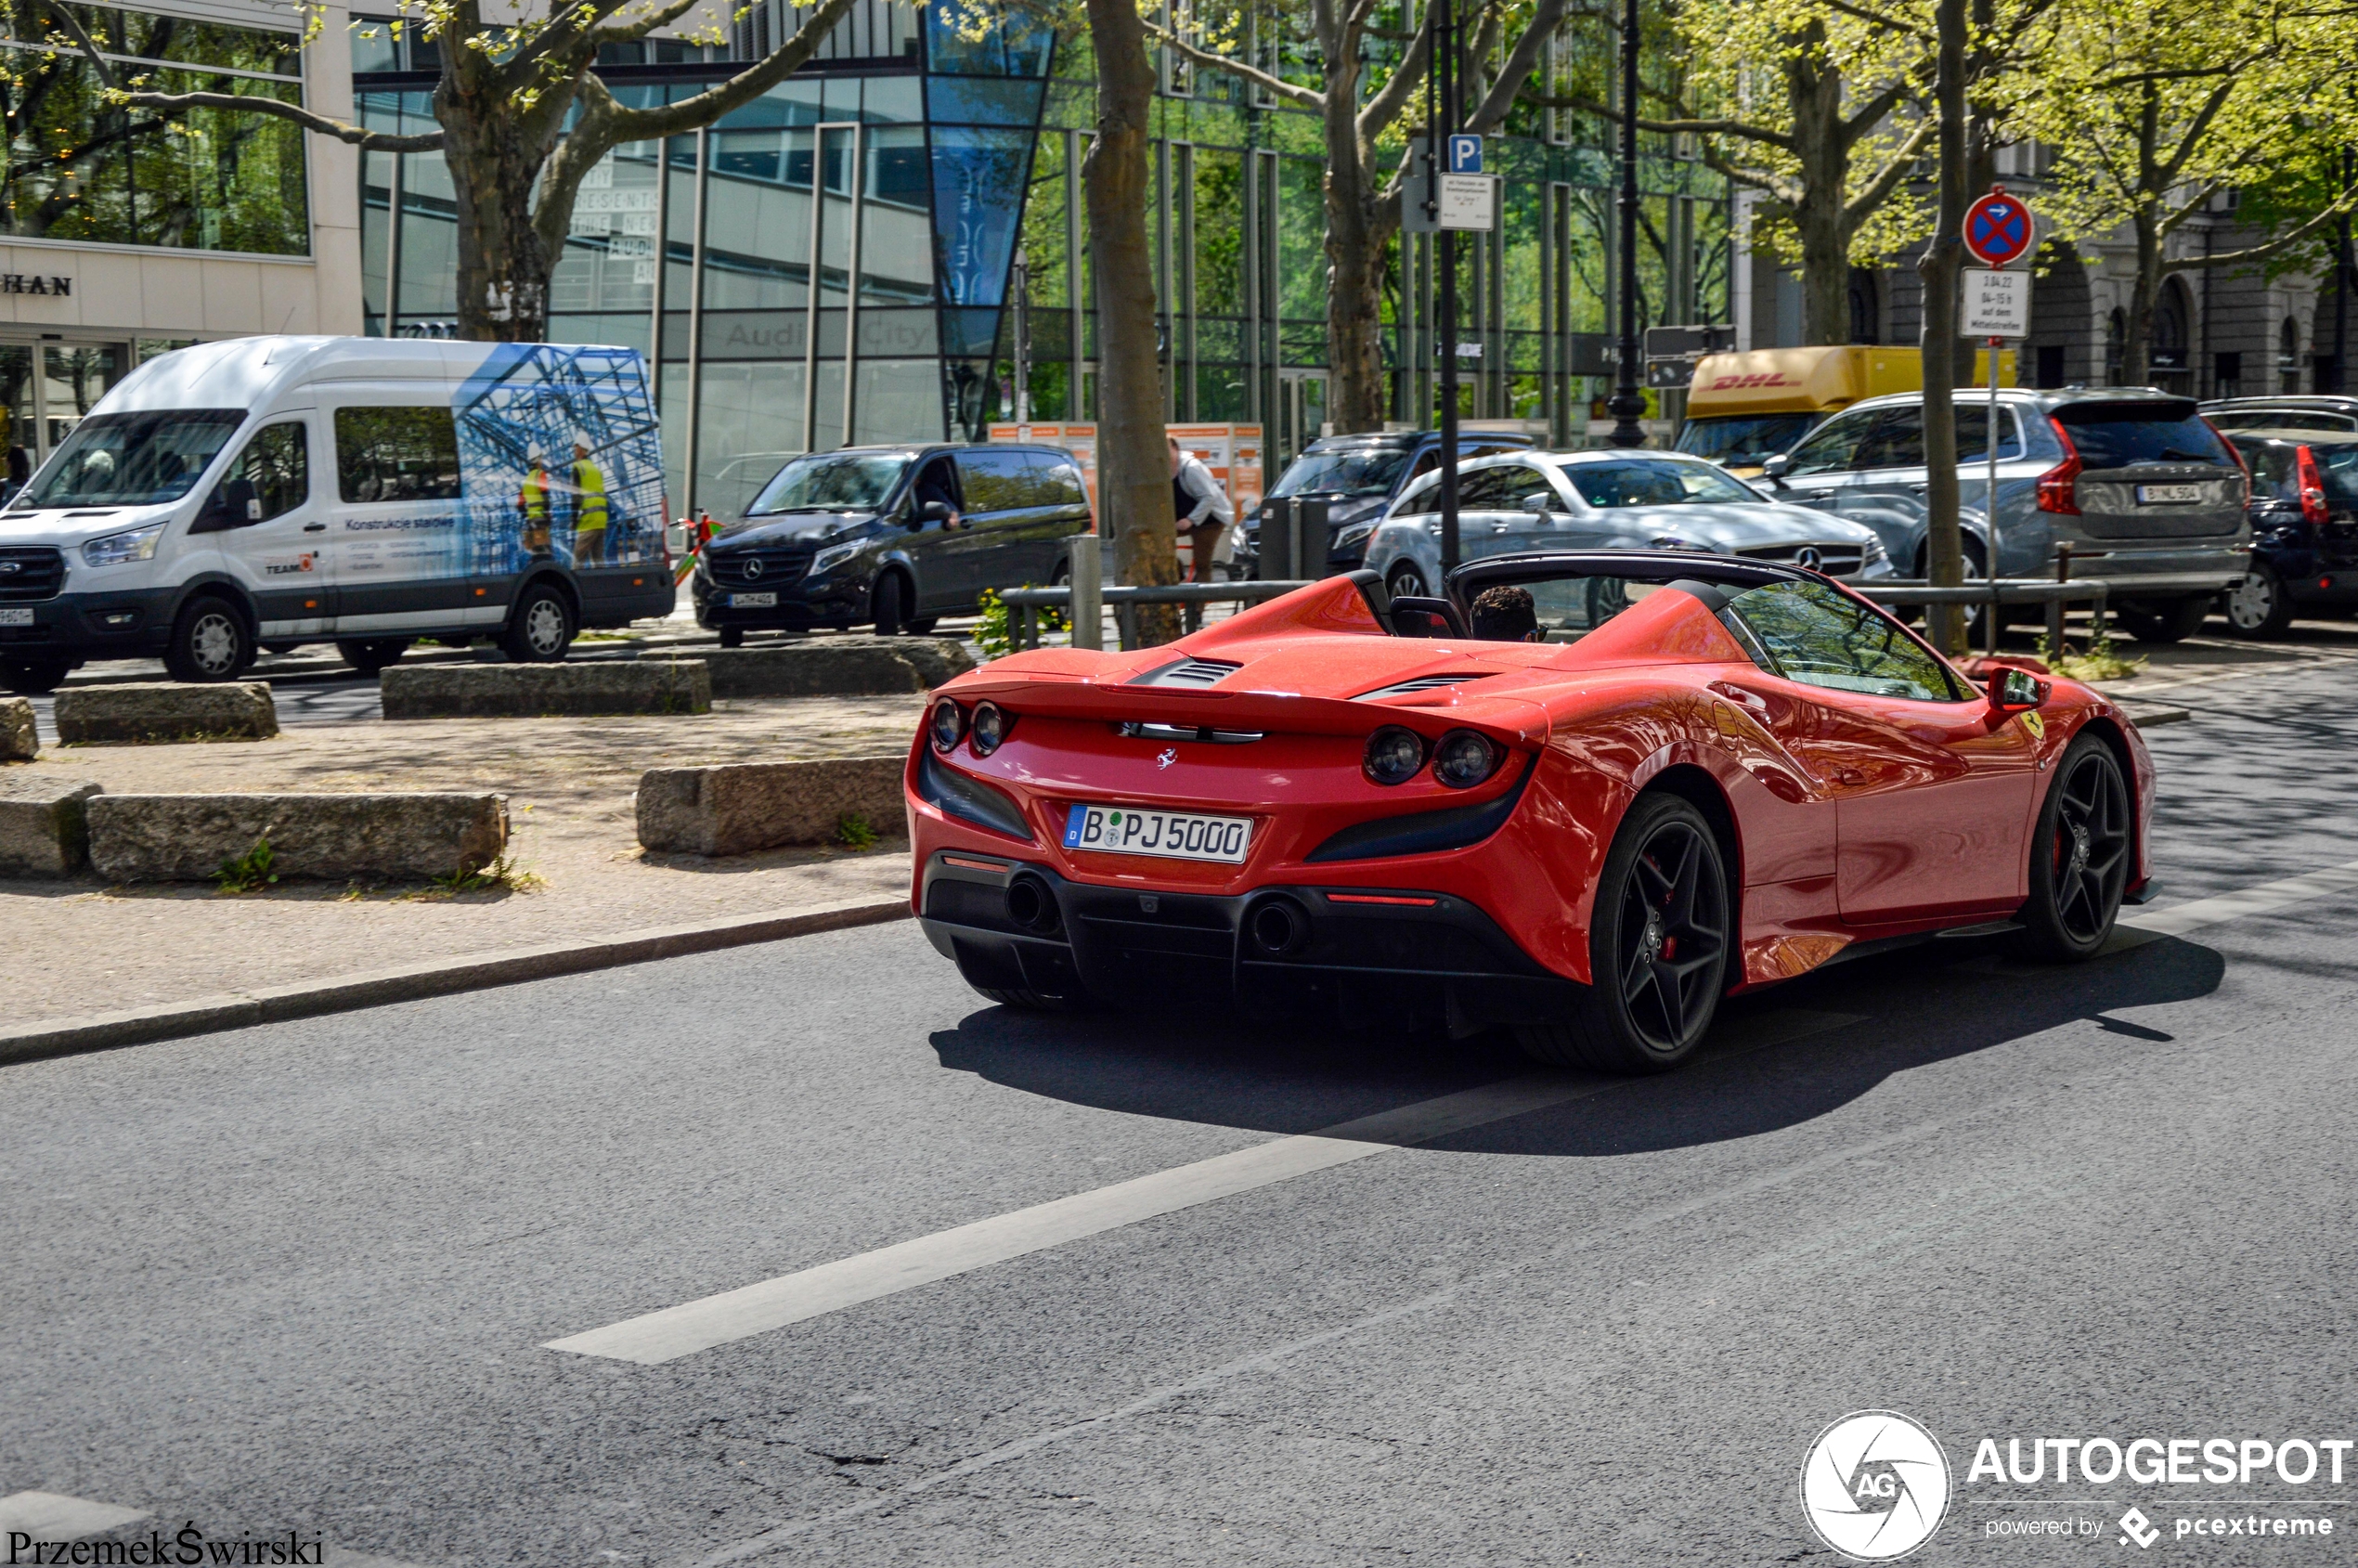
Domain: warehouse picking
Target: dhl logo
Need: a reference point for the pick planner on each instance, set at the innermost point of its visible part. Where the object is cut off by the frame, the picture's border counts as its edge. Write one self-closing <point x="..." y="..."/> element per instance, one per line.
<point x="1758" y="378"/>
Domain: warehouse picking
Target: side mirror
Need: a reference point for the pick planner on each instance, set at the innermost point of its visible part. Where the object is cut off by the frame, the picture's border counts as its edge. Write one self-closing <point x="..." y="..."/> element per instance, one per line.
<point x="2015" y="690"/>
<point x="1539" y="502"/>
<point x="1775" y="468"/>
<point x="932" y="511"/>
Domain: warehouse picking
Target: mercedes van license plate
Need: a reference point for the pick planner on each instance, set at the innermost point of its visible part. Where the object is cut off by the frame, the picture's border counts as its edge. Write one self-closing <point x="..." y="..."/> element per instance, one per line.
<point x="16" y="617"/>
<point x="2152" y="495"/>
<point x="753" y="601"/>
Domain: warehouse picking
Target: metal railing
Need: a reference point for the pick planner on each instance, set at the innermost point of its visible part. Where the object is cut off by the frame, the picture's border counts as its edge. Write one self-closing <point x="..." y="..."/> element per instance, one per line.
<point x="1087" y="620"/>
<point x="1994" y="592"/>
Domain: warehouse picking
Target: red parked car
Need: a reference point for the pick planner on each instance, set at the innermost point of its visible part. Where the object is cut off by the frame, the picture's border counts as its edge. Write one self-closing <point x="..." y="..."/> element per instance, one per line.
<point x="1584" y="796"/>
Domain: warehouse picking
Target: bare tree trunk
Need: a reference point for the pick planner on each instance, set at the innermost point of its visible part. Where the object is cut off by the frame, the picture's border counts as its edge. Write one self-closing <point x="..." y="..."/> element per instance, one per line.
<point x="503" y="267"/>
<point x="2144" y="298"/>
<point x="1938" y="268"/>
<point x="1133" y="464"/>
<point x="1355" y="271"/>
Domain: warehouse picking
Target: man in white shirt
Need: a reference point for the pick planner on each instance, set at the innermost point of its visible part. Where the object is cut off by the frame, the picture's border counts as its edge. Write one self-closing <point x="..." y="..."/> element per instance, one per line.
<point x="1198" y="505"/>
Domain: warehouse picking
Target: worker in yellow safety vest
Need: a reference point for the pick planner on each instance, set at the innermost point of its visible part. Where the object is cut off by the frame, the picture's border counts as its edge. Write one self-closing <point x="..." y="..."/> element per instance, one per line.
<point x="589" y="507"/>
<point x="534" y="500"/>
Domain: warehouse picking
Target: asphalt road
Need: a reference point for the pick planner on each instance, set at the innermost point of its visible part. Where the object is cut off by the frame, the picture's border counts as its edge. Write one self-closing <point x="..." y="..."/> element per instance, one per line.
<point x="302" y="1277"/>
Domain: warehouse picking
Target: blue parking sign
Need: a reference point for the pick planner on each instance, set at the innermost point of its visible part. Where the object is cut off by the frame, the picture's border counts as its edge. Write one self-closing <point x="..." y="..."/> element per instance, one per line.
<point x="1464" y="153"/>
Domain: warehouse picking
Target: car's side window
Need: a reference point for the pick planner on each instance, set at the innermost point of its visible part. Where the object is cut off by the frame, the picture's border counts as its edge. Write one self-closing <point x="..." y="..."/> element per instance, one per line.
<point x="278" y="461"/>
<point x="397" y="454"/>
<point x="1815" y="635"/>
<point x="1897" y="441"/>
<point x="1485" y="490"/>
<point x="992" y="481"/>
<point x="1060" y="482"/>
<point x="1830" y="448"/>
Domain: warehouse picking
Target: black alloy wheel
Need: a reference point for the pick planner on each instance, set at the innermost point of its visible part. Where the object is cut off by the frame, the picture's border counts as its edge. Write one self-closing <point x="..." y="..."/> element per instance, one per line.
<point x="371" y="655"/>
<point x="2079" y="857"/>
<point x="208" y="642"/>
<point x="32" y="677"/>
<point x="891" y="604"/>
<point x="1658" y="947"/>
<point x="2257" y="605"/>
<point x="540" y="629"/>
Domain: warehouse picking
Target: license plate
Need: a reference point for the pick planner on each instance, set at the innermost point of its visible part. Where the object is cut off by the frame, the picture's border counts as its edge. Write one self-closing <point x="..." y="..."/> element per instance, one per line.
<point x="2149" y="495"/>
<point x="1173" y="836"/>
<point x="16" y="617"/>
<point x="753" y="601"/>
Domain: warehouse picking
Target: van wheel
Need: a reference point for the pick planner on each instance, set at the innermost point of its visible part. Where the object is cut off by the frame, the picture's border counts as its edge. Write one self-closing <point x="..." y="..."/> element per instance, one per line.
<point x="208" y="642"/>
<point x="2163" y="620"/>
<point x="373" y="653"/>
<point x="34" y="677"/>
<point x="891" y="603"/>
<point x="921" y="626"/>
<point x="541" y="628"/>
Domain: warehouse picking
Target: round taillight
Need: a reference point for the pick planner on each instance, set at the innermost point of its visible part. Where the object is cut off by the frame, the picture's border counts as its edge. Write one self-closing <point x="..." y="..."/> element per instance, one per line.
<point x="1464" y="759"/>
<point x="948" y="724"/>
<point x="1394" y="755"/>
<point x="989" y="727"/>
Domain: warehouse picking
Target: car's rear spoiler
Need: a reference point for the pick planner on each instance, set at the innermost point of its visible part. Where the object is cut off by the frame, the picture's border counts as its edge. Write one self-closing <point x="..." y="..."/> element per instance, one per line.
<point x="1509" y="720"/>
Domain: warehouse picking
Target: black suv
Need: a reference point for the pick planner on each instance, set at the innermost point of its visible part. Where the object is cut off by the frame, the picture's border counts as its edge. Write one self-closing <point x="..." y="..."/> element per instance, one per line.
<point x="2304" y="529"/>
<point x="1357" y="476"/>
<point x="893" y="536"/>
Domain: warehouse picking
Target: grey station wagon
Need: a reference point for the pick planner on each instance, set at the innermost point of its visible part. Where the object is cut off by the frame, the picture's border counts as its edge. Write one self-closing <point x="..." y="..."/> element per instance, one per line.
<point x="2147" y="496"/>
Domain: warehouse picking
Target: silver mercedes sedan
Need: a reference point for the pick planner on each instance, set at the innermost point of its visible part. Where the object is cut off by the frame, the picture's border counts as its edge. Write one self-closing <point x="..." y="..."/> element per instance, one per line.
<point x="1518" y="501"/>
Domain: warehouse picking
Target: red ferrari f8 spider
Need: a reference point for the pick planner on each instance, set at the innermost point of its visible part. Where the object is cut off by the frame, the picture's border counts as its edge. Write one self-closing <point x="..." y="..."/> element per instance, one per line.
<point x="1584" y="796"/>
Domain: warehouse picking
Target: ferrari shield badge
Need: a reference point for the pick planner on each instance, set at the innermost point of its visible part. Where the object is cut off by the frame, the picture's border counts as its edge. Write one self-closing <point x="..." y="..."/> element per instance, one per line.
<point x="2036" y="725"/>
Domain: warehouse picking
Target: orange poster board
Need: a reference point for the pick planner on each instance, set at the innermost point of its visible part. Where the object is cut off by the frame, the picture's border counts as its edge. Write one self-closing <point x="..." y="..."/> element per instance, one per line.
<point x="1231" y="451"/>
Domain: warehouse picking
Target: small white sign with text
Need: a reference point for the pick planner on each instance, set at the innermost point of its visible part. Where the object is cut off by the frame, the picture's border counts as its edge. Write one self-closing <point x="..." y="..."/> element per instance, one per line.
<point x="1997" y="303"/>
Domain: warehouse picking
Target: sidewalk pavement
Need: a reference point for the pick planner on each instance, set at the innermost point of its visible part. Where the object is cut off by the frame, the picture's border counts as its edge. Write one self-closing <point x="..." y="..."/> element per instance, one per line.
<point x="77" y="948"/>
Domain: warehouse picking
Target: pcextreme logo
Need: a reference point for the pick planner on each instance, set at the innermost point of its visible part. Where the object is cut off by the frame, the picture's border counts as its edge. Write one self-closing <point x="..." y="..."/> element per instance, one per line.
<point x="1875" y="1485"/>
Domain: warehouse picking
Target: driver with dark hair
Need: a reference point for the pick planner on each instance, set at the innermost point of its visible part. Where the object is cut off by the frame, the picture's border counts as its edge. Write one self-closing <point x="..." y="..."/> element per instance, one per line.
<point x="933" y="484"/>
<point x="1505" y="614"/>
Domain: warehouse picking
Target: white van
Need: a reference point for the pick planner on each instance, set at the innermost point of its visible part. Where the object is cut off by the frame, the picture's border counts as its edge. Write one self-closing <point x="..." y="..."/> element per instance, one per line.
<point x="269" y="492"/>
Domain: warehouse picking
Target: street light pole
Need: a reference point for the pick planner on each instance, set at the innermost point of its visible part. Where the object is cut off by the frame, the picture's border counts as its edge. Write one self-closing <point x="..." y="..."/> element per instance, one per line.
<point x="1628" y="405"/>
<point x="1443" y="77"/>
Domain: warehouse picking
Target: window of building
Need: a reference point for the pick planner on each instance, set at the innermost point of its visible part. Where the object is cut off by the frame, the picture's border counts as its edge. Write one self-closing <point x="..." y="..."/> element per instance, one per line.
<point x="203" y="179"/>
<point x="397" y="454"/>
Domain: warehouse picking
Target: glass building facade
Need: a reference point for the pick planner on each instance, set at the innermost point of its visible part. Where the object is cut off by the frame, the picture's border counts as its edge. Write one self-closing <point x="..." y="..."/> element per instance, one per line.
<point x="892" y="245"/>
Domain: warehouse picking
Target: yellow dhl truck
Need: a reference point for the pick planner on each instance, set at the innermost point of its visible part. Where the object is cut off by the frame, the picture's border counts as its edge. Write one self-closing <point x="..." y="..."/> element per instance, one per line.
<point x="1743" y="408"/>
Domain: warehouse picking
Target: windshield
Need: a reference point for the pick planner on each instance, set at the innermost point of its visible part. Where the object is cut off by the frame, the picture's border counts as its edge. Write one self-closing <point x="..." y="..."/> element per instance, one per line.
<point x="1654" y="482"/>
<point x="131" y="459"/>
<point x="2123" y="435"/>
<point x="832" y="482"/>
<point x="1357" y="471"/>
<point x="1744" y="441"/>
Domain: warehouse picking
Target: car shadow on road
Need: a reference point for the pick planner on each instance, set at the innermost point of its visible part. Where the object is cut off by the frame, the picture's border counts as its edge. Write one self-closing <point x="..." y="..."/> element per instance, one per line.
<point x="1833" y="1037"/>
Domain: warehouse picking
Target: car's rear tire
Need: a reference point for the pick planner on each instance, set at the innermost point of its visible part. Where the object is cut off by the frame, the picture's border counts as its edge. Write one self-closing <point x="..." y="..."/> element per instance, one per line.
<point x="2258" y="603"/>
<point x="1405" y="582"/>
<point x="888" y="604"/>
<point x="32" y="677"/>
<point x="370" y="656"/>
<point x="541" y="632"/>
<point x="2081" y="855"/>
<point x="2163" y="620"/>
<point x="1659" y="943"/>
<point x="210" y="642"/>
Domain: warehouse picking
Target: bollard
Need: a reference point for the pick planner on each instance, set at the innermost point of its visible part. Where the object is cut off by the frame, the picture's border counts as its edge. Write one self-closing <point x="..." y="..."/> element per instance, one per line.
<point x="1088" y="594"/>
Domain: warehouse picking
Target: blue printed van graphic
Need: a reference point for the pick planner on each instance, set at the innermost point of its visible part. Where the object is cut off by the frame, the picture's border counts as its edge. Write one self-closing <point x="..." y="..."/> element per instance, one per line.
<point x="268" y="492"/>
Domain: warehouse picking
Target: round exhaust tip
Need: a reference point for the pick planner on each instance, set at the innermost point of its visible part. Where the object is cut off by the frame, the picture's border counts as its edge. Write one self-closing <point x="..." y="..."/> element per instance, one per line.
<point x="1277" y="927"/>
<point x="1031" y="904"/>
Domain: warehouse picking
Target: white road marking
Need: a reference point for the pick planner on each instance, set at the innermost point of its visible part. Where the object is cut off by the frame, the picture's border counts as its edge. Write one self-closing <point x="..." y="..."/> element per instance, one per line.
<point x="657" y="1337"/>
<point x="2178" y="919"/>
<point x="48" y="1516"/>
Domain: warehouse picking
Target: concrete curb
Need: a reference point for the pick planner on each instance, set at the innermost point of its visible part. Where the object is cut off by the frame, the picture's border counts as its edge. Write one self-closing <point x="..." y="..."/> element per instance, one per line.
<point x="440" y="976"/>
